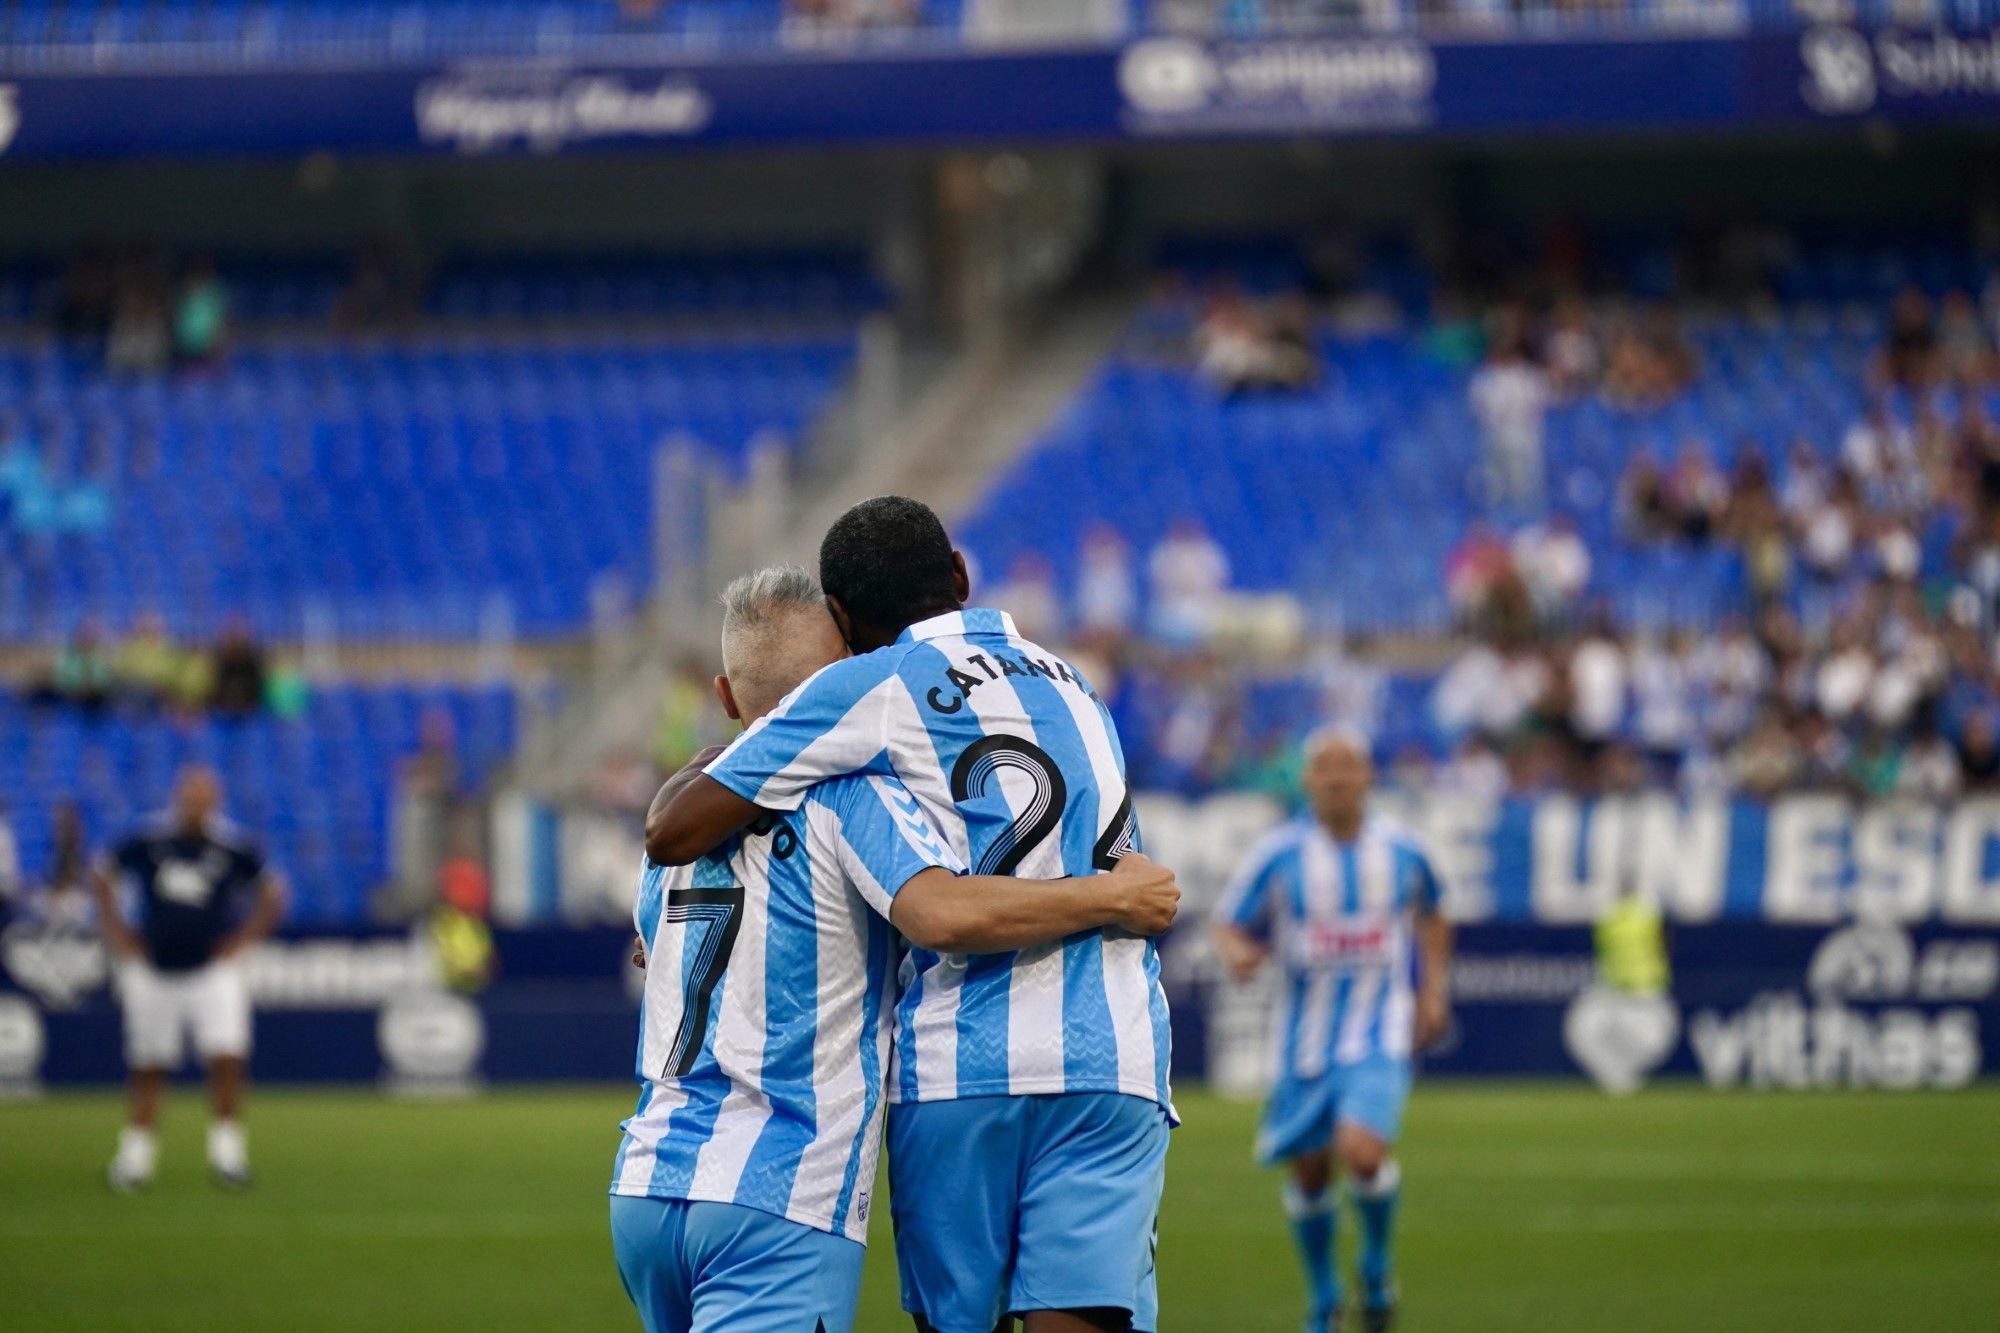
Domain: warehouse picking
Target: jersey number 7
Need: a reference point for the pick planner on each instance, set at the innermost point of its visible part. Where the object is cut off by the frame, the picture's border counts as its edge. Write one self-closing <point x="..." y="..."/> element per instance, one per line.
<point x="713" y="915"/>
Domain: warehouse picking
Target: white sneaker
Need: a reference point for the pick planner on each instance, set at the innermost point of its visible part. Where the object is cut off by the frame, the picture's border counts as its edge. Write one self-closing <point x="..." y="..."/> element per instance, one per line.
<point x="131" y="1170"/>
<point x="228" y="1155"/>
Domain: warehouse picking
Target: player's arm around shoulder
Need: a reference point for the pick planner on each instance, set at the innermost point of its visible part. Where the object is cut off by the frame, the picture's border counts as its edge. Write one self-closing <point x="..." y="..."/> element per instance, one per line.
<point x="827" y="727"/>
<point x="688" y="807"/>
<point x="948" y="913"/>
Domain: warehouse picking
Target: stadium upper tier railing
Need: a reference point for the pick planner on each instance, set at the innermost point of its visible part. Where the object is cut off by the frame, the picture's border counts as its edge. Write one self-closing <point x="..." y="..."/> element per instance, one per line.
<point x="110" y="35"/>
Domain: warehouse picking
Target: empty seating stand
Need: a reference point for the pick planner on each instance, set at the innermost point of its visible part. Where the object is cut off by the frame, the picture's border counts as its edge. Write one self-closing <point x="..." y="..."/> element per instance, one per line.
<point x="314" y="790"/>
<point x="403" y="485"/>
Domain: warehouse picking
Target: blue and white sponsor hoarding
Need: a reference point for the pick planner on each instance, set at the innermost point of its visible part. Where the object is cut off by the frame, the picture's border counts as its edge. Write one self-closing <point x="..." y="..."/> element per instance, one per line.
<point x="1151" y="88"/>
<point x="1815" y="943"/>
<point x="1752" y="1005"/>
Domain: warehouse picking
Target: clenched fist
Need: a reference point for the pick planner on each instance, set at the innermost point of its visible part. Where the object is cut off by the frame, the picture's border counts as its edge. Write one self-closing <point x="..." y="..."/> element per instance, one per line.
<point x="1145" y="898"/>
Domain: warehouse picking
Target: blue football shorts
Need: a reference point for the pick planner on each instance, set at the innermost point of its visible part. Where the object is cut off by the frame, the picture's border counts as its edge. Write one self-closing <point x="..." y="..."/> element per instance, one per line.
<point x="1010" y="1204"/>
<point x="1302" y="1112"/>
<point x="694" y="1267"/>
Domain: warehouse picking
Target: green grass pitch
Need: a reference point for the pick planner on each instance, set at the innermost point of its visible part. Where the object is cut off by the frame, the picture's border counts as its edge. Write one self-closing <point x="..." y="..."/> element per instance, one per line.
<point x="1532" y="1208"/>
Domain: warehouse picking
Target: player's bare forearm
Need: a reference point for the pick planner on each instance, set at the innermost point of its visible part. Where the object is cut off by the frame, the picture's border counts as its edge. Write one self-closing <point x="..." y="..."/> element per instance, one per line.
<point x="949" y="913"/>
<point x="1434" y="937"/>
<point x="268" y="912"/>
<point x="1241" y="954"/>
<point x="693" y="814"/>
<point x="1434" y="940"/>
<point x="264" y="917"/>
<point x="118" y="936"/>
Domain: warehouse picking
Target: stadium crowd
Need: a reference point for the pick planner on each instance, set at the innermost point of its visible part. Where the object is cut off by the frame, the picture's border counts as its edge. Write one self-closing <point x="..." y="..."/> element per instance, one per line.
<point x="149" y="671"/>
<point x="1860" y="653"/>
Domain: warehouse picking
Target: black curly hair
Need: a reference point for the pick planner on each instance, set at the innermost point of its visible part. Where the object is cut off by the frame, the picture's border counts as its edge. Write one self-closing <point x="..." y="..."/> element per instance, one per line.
<point x="889" y="564"/>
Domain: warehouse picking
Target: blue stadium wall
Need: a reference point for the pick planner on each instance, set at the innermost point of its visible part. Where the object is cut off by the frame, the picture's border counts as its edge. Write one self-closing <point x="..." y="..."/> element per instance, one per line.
<point x="1152" y="88"/>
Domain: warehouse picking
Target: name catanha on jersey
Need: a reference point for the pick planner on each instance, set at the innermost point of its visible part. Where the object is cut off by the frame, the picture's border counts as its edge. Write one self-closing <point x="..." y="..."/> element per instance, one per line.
<point x="962" y="683"/>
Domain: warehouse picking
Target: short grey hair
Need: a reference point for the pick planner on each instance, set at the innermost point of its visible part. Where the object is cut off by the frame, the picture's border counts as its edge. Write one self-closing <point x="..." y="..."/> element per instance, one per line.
<point x="755" y="600"/>
<point x="765" y="654"/>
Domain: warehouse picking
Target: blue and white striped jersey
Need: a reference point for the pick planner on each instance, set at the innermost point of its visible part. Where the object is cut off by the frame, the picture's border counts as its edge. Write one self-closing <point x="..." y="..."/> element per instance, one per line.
<point x="770" y="999"/>
<point x="1015" y="759"/>
<point x="1339" y="918"/>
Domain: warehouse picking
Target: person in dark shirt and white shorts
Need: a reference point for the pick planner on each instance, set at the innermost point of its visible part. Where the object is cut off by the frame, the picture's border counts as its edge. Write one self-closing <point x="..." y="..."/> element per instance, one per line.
<point x="204" y="898"/>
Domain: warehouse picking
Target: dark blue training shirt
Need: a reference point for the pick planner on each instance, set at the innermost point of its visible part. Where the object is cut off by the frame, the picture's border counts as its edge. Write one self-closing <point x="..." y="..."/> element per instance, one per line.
<point x="193" y="889"/>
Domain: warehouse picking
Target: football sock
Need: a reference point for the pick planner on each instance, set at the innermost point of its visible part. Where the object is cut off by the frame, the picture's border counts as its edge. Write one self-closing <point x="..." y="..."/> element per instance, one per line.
<point x="137" y="1152"/>
<point x="1313" y="1220"/>
<point x="227" y="1150"/>
<point x="1375" y="1202"/>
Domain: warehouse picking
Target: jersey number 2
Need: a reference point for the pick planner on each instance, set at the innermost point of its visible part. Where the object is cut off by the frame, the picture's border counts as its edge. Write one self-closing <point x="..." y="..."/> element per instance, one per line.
<point x="713" y="915"/>
<point x="977" y="772"/>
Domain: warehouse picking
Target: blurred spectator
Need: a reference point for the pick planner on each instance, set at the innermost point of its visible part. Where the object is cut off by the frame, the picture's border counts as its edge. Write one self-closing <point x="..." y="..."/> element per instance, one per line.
<point x="1189" y="573"/>
<point x="1965" y="346"/>
<point x="1732" y="672"/>
<point x="1597" y="691"/>
<point x="201" y="314"/>
<point x="1510" y="396"/>
<point x="1930" y="770"/>
<point x="1486" y="587"/>
<point x="1352" y="689"/>
<point x="1474" y="771"/>
<point x="1874" y="765"/>
<point x="1755" y="521"/>
<point x="1696" y="493"/>
<point x="1293" y="355"/>
<point x="1642" y="498"/>
<point x="1555" y="564"/>
<point x="457" y="924"/>
<point x="1029" y="596"/>
<point x="1806" y="483"/>
<point x="237" y="686"/>
<point x="10" y="869"/>
<point x="1456" y="336"/>
<point x="287" y="693"/>
<point x="140" y="340"/>
<point x="148" y="667"/>
<point x="426" y="795"/>
<point x="1908" y="355"/>
<point x="1241" y="349"/>
<point x="1648" y="364"/>
<point x="1824" y="754"/>
<point x="1979" y="754"/>
<point x="1841" y="684"/>
<point x="689" y="719"/>
<point x="81" y="675"/>
<point x="1767" y="761"/>
<point x="1479" y="693"/>
<point x="1663" y="701"/>
<point x="1571" y="352"/>
<point x="1473" y="568"/>
<point x="1107" y="591"/>
<point x="1198" y="735"/>
<point x="823" y="18"/>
